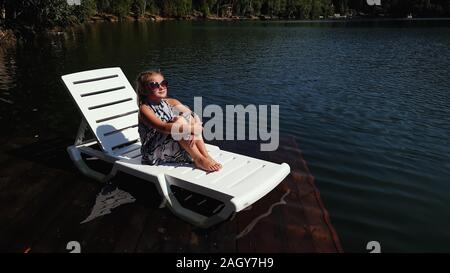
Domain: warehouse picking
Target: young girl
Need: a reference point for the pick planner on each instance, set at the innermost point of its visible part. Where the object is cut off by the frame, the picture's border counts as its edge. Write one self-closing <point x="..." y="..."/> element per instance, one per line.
<point x="160" y="117"/>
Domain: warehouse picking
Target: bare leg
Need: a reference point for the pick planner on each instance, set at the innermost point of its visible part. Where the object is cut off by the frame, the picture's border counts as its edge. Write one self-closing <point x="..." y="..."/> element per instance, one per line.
<point x="198" y="152"/>
<point x="202" y="148"/>
<point x="200" y="160"/>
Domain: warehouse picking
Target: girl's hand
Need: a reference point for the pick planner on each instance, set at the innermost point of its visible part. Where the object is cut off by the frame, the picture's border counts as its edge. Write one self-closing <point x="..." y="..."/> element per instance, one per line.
<point x="196" y="128"/>
<point x="177" y="119"/>
<point x="191" y="140"/>
<point x="196" y="119"/>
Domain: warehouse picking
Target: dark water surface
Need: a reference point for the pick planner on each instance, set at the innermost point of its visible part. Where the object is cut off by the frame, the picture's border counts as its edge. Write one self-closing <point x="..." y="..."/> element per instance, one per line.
<point x="368" y="103"/>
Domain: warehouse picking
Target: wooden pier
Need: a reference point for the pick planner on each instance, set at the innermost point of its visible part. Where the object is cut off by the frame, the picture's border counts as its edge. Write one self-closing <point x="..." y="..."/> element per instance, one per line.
<point x="43" y="199"/>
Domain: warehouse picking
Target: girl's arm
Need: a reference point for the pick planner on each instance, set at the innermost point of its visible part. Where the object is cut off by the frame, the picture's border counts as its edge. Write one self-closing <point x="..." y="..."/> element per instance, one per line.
<point x="182" y="109"/>
<point x="193" y="119"/>
<point x="165" y="127"/>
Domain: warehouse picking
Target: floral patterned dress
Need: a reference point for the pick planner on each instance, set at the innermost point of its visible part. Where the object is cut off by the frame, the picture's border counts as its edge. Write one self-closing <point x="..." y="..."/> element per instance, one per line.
<point x="158" y="147"/>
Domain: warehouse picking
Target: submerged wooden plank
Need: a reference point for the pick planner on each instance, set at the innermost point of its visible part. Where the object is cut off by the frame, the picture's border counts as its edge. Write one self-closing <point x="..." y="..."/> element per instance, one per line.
<point x="319" y="226"/>
<point x="66" y="225"/>
<point x="28" y="199"/>
<point x="36" y="217"/>
<point x="303" y="220"/>
<point x="297" y="232"/>
<point x="147" y="199"/>
<point x="259" y="228"/>
<point x="54" y="199"/>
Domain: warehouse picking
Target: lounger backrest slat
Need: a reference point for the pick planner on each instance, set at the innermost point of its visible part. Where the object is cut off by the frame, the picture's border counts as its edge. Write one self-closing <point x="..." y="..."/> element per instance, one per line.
<point x="118" y="139"/>
<point x="133" y="154"/>
<point x="110" y="112"/>
<point x="100" y="100"/>
<point x="103" y="85"/>
<point x="128" y="149"/>
<point x="107" y="100"/>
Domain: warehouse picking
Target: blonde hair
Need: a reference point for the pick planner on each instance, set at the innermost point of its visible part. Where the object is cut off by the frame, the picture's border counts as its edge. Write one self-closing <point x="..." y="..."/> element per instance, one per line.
<point x="141" y="80"/>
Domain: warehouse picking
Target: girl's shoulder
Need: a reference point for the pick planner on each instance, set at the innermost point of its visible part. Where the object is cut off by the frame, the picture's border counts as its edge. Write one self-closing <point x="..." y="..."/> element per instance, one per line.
<point x="144" y="105"/>
<point x="172" y="102"/>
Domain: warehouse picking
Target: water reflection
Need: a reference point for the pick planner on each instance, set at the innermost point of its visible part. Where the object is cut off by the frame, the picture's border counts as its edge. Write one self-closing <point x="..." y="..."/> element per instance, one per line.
<point x="7" y="75"/>
<point x="108" y="199"/>
<point x="255" y="221"/>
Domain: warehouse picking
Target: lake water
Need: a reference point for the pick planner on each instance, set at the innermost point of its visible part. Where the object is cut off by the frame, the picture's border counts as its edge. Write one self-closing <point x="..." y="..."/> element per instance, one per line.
<point x="368" y="103"/>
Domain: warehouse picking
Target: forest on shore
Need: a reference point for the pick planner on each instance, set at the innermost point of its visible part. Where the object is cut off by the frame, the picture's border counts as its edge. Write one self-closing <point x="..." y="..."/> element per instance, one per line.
<point x="31" y="16"/>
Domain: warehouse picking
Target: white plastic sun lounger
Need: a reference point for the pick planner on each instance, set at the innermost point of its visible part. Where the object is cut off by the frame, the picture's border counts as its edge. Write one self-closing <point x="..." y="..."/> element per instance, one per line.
<point x="107" y="102"/>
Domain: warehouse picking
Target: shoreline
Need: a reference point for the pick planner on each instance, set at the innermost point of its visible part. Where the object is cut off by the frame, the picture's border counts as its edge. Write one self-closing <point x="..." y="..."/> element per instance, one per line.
<point x="10" y="36"/>
<point x="105" y="17"/>
<point x="7" y="38"/>
<point x="199" y="17"/>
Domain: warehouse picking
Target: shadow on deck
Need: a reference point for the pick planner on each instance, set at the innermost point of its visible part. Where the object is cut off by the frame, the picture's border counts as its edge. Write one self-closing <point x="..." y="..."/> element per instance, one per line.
<point x="43" y="199"/>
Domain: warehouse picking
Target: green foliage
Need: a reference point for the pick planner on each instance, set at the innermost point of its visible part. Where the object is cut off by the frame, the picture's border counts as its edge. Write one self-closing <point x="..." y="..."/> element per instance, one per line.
<point x="38" y="14"/>
<point x="104" y="6"/>
<point x="85" y="10"/>
<point x="151" y="7"/>
<point x="42" y="14"/>
<point x="121" y="8"/>
<point x="206" y="7"/>
<point x="175" y="8"/>
<point x="138" y="7"/>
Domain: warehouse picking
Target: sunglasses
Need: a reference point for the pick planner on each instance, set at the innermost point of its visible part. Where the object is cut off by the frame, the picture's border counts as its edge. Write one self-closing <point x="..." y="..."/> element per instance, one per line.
<point x="156" y="85"/>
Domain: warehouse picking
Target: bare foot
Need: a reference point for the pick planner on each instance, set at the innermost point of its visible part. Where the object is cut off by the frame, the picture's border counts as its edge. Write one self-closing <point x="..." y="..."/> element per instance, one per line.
<point x="216" y="164"/>
<point x="207" y="164"/>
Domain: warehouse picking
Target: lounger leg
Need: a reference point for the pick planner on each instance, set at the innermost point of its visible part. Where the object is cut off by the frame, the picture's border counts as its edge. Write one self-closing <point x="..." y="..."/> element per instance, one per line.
<point x="223" y="215"/>
<point x="198" y="219"/>
<point x="189" y="215"/>
<point x="75" y="155"/>
<point x="163" y="203"/>
<point x="81" y="131"/>
<point x="111" y="174"/>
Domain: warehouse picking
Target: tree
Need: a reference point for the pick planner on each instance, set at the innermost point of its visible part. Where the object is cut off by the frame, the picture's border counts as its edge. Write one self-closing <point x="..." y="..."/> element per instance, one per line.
<point x="138" y="7"/>
<point x="35" y="15"/>
<point x="121" y="8"/>
<point x="85" y="10"/>
<point x="2" y="12"/>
